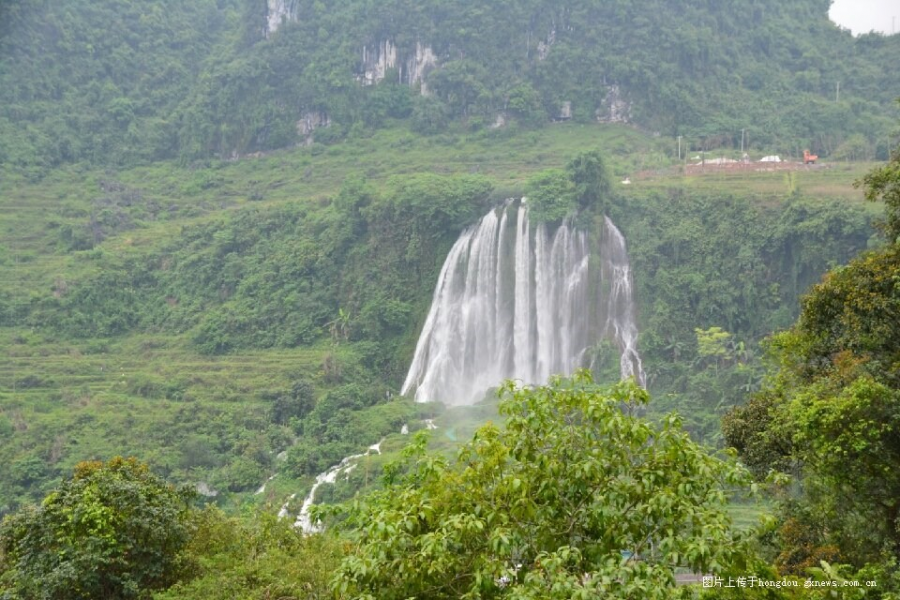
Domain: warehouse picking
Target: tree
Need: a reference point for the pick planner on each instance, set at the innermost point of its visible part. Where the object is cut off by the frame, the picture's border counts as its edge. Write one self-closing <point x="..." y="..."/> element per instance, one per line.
<point x="429" y="115"/>
<point x="588" y="173"/>
<point x="114" y="530"/>
<point x="296" y="404"/>
<point x="883" y="184"/>
<point x="460" y="83"/>
<point x="713" y="343"/>
<point x="575" y="498"/>
<point x="763" y="442"/>
<point x="256" y="556"/>
<point x="551" y="196"/>
<point x="525" y="103"/>
<point x="831" y="412"/>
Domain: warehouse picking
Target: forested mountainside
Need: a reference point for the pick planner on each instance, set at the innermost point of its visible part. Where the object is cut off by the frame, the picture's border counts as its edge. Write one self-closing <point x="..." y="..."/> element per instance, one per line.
<point x="114" y="82"/>
<point x="209" y="318"/>
<point x="222" y="225"/>
<point x="228" y="324"/>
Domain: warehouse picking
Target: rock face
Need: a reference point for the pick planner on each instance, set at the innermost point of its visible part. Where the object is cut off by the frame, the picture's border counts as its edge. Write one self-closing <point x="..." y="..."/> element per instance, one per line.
<point x="377" y="60"/>
<point x="419" y="65"/>
<point x="615" y="108"/>
<point x="309" y="122"/>
<point x="412" y="66"/>
<point x="278" y="11"/>
<point x="543" y="47"/>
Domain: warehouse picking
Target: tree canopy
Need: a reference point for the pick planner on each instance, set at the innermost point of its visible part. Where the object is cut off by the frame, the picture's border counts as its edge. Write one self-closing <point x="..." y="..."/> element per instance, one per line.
<point x="883" y="184"/>
<point x="576" y="497"/>
<point x="831" y="413"/>
<point x="114" y="530"/>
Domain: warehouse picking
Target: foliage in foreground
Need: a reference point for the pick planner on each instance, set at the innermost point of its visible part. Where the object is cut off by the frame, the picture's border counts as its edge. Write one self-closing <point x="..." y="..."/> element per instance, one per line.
<point x="256" y="557"/>
<point x="831" y="413"/>
<point x="114" y="530"/>
<point x="575" y="498"/>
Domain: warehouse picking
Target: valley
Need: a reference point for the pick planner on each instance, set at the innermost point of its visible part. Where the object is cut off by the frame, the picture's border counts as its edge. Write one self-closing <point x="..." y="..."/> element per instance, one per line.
<point x="419" y="299"/>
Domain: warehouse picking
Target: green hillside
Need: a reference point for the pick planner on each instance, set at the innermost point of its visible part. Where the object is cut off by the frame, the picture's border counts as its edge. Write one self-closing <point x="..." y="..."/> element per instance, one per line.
<point x="221" y="227"/>
<point x="207" y="318"/>
<point x="121" y="83"/>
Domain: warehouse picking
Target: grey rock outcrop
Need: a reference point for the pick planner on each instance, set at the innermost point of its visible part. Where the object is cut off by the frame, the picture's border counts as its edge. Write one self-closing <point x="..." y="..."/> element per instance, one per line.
<point x="278" y="11"/>
<point x="412" y="66"/>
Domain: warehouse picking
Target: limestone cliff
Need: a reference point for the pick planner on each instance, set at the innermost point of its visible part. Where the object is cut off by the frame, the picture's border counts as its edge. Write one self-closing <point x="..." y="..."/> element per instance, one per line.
<point x="278" y="11"/>
<point x="412" y="65"/>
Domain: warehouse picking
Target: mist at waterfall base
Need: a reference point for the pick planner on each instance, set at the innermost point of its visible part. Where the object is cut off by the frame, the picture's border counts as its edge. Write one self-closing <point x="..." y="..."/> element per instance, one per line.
<point x="520" y="301"/>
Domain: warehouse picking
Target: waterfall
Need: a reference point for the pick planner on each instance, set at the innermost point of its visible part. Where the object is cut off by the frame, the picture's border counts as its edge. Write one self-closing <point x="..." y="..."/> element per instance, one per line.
<point x="620" y="320"/>
<point x="517" y="301"/>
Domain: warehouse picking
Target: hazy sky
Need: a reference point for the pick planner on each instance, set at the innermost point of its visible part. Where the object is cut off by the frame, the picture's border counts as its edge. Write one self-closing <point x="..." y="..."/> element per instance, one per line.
<point x="862" y="16"/>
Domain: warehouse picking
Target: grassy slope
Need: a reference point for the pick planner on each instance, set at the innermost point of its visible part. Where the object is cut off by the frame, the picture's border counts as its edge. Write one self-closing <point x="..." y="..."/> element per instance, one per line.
<point x="29" y="257"/>
<point x="95" y="398"/>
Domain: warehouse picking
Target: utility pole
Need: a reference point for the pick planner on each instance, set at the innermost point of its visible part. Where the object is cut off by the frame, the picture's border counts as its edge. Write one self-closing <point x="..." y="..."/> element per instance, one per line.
<point x="679" y="147"/>
<point x="837" y="93"/>
<point x="742" y="143"/>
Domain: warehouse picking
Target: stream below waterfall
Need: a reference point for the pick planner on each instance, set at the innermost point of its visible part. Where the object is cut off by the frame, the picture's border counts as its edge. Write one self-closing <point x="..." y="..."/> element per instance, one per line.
<point x="513" y="301"/>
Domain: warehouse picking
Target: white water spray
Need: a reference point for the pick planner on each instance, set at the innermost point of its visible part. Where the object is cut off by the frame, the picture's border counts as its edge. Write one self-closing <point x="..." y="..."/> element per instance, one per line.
<point x="515" y="301"/>
<point x="620" y="320"/>
<point x="304" y="521"/>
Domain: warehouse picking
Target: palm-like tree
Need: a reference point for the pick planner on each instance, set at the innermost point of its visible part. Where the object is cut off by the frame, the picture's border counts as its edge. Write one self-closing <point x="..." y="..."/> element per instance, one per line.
<point x="339" y="328"/>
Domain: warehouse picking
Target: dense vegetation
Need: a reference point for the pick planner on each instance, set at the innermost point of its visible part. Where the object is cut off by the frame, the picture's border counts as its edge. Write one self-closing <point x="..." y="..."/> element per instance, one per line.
<point x="525" y="512"/>
<point x="113" y="530"/>
<point x="242" y="323"/>
<point x="575" y="497"/>
<point x="123" y="82"/>
<point x="829" y="416"/>
<point x="280" y="328"/>
<point x="712" y="262"/>
<point x="277" y="278"/>
<point x="99" y="82"/>
<point x="116" y="531"/>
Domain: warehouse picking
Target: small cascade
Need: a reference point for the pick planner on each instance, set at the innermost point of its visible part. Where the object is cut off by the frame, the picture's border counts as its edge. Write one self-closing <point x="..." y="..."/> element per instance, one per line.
<point x="346" y="466"/>
<point x="262" y="488"/>
<point x="283" y="511"/>
<point x="518" y="301"/>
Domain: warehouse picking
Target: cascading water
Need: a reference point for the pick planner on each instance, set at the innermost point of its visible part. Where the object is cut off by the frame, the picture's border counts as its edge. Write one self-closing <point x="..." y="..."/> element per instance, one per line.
<point x="304" y="521"/>
<point x="515" y="301"/>
<point x="620" y="320"/>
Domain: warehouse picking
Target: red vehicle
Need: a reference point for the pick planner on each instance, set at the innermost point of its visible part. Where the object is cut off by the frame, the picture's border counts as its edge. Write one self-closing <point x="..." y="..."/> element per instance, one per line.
<point x="809" y="158"/>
